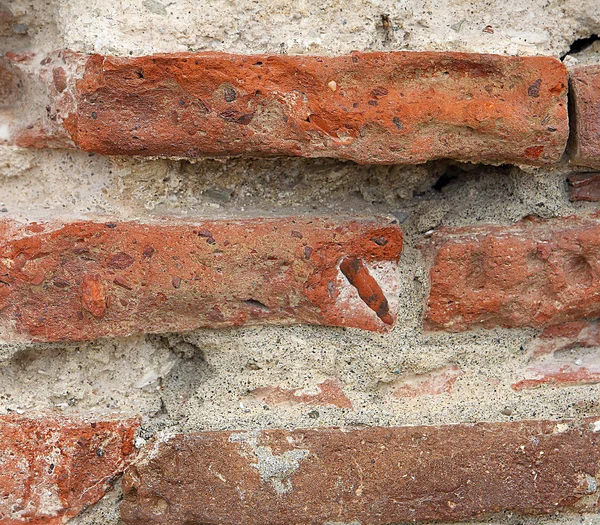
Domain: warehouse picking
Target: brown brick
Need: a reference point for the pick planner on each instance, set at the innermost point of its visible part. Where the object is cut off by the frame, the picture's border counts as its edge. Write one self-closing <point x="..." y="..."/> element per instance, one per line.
<point x="370" y="475"/>
<point x="563" y="355"/>
<point x="395" y="107"/>
<point x="585" y="186"/>
<point x="533" y="273"/>
<point x="584" y="84"/>
<point x="55" y="467"/>
<point x="82" y="280"/>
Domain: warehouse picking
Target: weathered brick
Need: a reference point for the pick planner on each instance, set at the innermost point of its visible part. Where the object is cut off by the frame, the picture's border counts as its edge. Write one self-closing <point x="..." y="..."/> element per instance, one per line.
<point x="584" y="84"/>
<point x="395" y="107"/>
<point x="370" y="475"/>
<point x="54" y="467"/>
<point x="432" y="383"/>
<point x="585" y="187"/>
<point x="563" y="355"/>
<point x="328" y="393"/>
<point x="82" y="280"/>
<point x="533" y="273"/>
<point x="7" y="20"/>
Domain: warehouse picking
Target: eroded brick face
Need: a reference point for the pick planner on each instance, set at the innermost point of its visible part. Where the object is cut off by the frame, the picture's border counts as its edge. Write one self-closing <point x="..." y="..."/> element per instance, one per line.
<point x="534" y="273"/>
<point x="387" y="108"/>
<point x="55" y="467"/>
<point x="584" y="87"/>
<point x="83" y="280"/>
<point x="372" y="475"/>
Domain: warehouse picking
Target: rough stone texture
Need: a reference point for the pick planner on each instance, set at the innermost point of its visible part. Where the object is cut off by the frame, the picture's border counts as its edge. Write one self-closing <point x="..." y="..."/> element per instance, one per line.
<point x="534" y="273"/>
<point x="375" y="475"/>
<point x="584" y="91"/>
<point x="83" y="280"/>
<point x="54" y="467"/>
<point x="563" y="355"/>
<point x="584" y="187"/>
<point x="144" y="26"/>
<point x="367" y="107"/>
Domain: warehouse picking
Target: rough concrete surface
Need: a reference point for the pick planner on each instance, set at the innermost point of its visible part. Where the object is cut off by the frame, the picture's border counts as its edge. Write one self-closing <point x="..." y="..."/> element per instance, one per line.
<point x="197" y="381"/>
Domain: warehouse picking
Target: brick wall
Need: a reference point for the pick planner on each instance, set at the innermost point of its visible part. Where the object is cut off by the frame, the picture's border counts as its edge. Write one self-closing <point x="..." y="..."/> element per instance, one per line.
<point x="277" y="264"/>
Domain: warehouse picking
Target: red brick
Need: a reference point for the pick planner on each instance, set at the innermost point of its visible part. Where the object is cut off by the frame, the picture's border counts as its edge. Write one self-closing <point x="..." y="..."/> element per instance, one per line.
<point x="534" y="273"/>
<point x="369" y="475"/>
<point x="328" y="393"/>
<point x="432" y="383"/>
<point x="83" y="280"/>
<point x="585" y="187"/>
<point x="54" y="467"/>
<point x="584" y="87"/>
<point x="395" y="107"/>
<point x="563" y="355"/>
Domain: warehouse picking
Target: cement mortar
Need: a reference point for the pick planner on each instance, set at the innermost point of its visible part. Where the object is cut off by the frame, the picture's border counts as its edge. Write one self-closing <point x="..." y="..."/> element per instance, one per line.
<point x="197" y="381"/>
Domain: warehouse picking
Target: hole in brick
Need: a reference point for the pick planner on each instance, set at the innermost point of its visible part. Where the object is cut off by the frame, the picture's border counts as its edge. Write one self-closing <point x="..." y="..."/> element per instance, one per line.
<point x="256" y="304"/>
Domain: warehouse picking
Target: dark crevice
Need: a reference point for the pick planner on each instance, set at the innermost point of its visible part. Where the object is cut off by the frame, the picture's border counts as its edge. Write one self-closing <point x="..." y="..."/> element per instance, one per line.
<point x="580" y="44"/>
<point x="256" y="304"/>
<point x="451" y="173"/>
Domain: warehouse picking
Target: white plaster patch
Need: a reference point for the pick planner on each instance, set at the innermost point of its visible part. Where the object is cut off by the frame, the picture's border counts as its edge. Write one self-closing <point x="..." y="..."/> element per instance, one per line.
<point x="560" y="428"/>
<point x="4" y="132"/>
<point x="273" y="469"/>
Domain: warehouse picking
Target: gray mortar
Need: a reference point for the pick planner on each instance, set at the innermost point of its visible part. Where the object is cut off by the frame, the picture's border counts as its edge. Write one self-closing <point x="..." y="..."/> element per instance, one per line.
<point x="196" y="381"/>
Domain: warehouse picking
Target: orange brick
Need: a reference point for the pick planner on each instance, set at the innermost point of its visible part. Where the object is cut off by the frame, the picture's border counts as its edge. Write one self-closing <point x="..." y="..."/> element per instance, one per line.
<point x="395" y="107"/>
<point x="83" y="280"/>
<point x="534" y="273"/>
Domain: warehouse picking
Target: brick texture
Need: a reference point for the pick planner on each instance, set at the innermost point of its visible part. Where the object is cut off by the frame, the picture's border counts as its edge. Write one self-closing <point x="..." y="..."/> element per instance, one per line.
<point x="534" y="273"/>
<point x="55" y="467"/>
<point x="372" y="475"/>
<point x="82" y="280"/>
<point x="584" y="187"/>
<point x="387" y="108"/>
<point x="584" y="84"/>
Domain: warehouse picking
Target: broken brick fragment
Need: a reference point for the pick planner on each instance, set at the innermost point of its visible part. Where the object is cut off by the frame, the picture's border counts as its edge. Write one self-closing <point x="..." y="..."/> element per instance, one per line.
<point x="563" y="355"/>
<point x="328" y="393"/>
